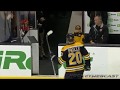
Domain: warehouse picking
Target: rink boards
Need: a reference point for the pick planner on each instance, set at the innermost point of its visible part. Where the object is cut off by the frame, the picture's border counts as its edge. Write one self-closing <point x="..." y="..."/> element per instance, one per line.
<point x="105" y="63"/>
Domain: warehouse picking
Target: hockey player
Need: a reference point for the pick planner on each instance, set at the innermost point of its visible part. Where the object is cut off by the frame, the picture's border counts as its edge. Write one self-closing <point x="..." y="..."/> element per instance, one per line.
<point x="78" y="35"/>
<point x="73" y="54"/>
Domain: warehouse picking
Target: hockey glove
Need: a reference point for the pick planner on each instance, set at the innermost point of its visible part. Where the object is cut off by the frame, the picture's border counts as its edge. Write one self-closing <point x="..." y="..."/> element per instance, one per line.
<point x="87" y="65"/>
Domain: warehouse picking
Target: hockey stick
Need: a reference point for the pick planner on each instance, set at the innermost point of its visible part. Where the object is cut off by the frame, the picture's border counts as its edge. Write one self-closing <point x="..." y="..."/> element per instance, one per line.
<point x="5" y="24"/>
<point x="51" y="56"/>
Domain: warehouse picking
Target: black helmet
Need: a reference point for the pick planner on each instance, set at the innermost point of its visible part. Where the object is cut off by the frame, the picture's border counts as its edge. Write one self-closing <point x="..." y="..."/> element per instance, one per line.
<point x="70" y="37"/>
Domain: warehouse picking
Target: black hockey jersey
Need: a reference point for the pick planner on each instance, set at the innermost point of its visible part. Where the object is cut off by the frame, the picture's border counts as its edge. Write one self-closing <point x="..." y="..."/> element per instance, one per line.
<point x="73" y="56"/>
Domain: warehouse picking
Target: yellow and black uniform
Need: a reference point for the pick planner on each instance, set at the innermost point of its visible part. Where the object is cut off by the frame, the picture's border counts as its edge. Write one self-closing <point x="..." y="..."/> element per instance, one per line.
<point x="79" y="37"/>
<point x="73" y="55"/>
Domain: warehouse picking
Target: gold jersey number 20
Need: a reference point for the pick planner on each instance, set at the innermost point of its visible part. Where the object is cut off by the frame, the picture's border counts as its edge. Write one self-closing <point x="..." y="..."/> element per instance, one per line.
<point x="77" y="56"/>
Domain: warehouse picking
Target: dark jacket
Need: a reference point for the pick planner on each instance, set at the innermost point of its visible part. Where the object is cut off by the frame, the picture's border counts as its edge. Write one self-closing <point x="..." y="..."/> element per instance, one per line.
<point x="40" y="14"/>
<point x="99" y="34"/>
<point x="92" y="14"/>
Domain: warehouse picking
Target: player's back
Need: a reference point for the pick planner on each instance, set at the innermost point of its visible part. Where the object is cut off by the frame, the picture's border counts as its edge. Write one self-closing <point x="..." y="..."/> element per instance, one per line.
<point x="73" y="57"/>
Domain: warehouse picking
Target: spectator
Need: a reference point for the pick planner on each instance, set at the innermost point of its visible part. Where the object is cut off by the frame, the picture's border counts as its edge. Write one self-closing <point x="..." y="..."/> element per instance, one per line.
<point x="92" y="14"/>
<point x="98" y="32"/>
<point x="41" y="20"/>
